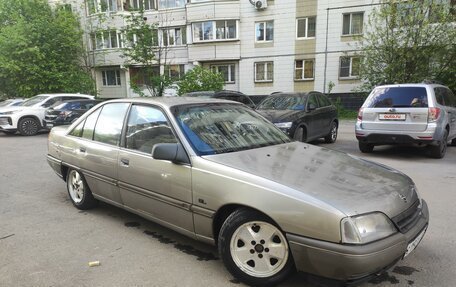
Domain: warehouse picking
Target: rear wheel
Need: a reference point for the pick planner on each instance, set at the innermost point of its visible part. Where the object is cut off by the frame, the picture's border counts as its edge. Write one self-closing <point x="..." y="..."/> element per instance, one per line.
<point x="365" y="147"/>
<point x="332" y="136"/>
<point x="439" y="150"/>
<point x="300" y="134"/>
<point x="28" y="126"/>
<point x="254" y="249"/>
<point x="79" y="192"/>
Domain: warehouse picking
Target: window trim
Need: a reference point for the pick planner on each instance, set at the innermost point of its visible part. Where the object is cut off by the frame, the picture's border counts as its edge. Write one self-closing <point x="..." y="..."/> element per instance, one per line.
<point x="168" y="29"/>
<point x="350" y="76"/>
<point x="265" y="29"/>
<point x="94" y="36"/>
<point x="233" y="65"/>
<point x="155" y="7"/>
<point x="307" y="27"/>
<point x="214" y="31"/>
<point x="171" y="8"/>
<point x="351" y="24"/>
<point x="265" y="72"/>
<point x="303" y="69"/>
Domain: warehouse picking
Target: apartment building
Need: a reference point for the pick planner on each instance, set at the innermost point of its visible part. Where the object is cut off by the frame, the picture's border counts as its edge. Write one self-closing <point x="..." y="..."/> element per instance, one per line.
<point x="260" y="46"/>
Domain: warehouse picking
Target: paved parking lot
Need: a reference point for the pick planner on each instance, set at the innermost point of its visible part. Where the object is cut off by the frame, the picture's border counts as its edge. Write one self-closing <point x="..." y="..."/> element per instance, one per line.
<point x="45" y="241"/>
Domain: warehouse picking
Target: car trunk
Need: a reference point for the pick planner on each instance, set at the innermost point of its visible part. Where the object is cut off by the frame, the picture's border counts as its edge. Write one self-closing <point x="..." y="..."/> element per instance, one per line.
<point x="395" y="119"/>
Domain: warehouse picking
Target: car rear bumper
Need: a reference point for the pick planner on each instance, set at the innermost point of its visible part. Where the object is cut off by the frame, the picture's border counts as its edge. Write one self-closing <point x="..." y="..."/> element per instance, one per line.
<point x="55" y="164"/>
<point x="353" y="263"/>
<point x="430" y="136"/>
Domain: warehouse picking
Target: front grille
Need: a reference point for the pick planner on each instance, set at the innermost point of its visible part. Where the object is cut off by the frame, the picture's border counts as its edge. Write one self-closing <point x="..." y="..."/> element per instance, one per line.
<point x="407" y="219"/>
<point x="50" y="117"/>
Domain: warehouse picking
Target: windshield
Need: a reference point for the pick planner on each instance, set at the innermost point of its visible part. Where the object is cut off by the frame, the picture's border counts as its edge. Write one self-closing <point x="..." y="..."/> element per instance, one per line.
<point x="33" y="101"/>
<point x="222" y="128"/>
<point x="398" y="97"/>
<point x="285" y="102"/>
<point x="5" y="103"/>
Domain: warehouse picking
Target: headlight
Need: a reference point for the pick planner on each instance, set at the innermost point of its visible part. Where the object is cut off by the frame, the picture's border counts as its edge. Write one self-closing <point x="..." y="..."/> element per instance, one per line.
<point x="11" y="112"/>
<point x="366" y="228"/>
<point x="285" y="125"/>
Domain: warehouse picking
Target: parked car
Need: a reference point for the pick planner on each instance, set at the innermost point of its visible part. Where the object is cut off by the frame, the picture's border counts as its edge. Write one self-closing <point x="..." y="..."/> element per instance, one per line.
<point x="64" y="113"/>
<point x="28" y="116"/>
<point x="303" y="116"/>
<point x="11" y="102"/>
<point x="219" y="172"/>
<point x="423" y="114"/>
<point x="224" y="95"/>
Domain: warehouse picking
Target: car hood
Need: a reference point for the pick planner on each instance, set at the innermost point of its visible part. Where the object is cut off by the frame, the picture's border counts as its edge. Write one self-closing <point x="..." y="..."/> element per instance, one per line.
<point x="277" y="116"/>
<point x="349" y="184"/>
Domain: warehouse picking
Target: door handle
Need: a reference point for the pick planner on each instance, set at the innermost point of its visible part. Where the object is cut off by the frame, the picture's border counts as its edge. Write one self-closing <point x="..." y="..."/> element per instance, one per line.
<point x="125" y="161"/>
<point x="82" y="149"/>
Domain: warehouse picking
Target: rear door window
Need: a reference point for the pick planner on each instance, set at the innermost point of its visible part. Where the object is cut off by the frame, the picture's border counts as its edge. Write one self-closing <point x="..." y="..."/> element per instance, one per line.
<point x="89" y="125"/>
<point x="312" y="100"/>
<point x="448" y="97"/>
<point x="110" y="122"/>
<point x="398" y="97"/>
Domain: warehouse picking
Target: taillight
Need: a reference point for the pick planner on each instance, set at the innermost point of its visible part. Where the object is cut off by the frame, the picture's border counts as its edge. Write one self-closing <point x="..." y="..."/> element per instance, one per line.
<point x="433" y="114"/>
<point x="360" y="114"/>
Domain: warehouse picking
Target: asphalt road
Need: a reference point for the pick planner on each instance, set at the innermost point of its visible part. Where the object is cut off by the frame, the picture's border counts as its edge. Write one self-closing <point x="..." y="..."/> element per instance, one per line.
<point x="45" y="241"/>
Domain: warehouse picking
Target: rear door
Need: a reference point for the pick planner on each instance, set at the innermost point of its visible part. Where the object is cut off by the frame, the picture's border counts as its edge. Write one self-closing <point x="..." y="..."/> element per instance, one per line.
<point x="450" y="107"/>
<point x="396" y="109"/>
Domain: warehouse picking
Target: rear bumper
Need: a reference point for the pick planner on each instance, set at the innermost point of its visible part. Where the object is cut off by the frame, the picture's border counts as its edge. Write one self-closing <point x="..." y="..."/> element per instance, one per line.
<point x="430" y="136"/>
<point x="55" y="164"/>
<point x="352" y="263"/>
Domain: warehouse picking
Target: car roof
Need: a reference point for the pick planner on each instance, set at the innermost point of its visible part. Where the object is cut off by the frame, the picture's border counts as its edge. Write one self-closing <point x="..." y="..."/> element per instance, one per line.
<point x="173" y="101"/>
<point x="423" y="85"/>
<point x="280" y="94"/>
<point x="66" y="95"/>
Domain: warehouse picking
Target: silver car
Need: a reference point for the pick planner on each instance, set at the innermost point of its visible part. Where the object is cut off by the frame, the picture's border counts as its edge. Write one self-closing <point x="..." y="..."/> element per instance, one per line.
<point x="218" y="172"/>
<point x="423" y="114"/>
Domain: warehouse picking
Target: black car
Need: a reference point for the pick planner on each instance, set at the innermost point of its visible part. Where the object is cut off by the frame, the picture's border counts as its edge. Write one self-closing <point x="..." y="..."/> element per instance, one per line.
<point x="303" y="116"/>
<point x="64" y="113"/>
<point x="225" y="95"/>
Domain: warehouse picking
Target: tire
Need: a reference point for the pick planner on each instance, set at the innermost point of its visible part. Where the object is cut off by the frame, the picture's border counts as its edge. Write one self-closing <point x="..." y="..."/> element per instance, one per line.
<point x="453" y="142"/>
<point x="300" y="134"/>
<point x="439" y="150"/>
<point x="332" y="136"/>
<point x="78" y="190"/>
<point x="28" y="126"/>
<point x="254" y="249"/>
<point x="365" y="147"/>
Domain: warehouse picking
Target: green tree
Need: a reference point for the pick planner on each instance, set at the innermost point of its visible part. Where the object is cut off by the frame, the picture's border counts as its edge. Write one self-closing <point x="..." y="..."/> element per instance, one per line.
<point x="142" y="48"/>
<point x="200" y="79"/>
<point x="41" y="50"/>
<point x="408" y="42"/>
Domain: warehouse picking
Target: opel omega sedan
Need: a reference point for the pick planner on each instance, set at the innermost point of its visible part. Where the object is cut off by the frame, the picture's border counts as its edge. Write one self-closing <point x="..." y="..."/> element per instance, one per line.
<point x="218" y="172"/>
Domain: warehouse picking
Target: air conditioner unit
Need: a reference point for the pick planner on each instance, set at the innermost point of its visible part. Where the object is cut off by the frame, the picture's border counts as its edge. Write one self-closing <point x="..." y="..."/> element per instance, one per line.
<point x="261" y="4"/>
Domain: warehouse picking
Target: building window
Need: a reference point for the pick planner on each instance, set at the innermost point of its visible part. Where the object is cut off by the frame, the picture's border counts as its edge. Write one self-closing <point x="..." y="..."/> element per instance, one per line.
<point x="111" y="77"/>
<point x="264" y="72"/>
<point x="141" y="76"/>
<point x="304" y="69"/>
<point x="174" y="36"/>
<point x="165" y="4"/>
<point x="306" y="27"/>
<point x="105" y="40"/>
<point x="97" y="6"/>
<point x="215" y="30"/>
<point x="139" y="5"/>
<point x="175" y="72"/>
<point x="353" y="23"/>
<point x="349" y="67"/>
<point x="227" y="72"/>
<point x="264" y="31"/>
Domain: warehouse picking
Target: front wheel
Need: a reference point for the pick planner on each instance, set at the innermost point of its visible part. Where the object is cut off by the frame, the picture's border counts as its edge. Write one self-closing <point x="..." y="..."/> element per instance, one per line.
<point x="300" y="134"/>
<point x="254" y="249"/>
<point x="79" y="192"/>
<point x="28" y="126"/>
<point x="332" y="136"/>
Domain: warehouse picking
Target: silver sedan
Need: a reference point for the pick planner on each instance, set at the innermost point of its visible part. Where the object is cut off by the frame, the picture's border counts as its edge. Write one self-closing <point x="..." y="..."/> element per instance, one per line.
<point x="219" y="172"/>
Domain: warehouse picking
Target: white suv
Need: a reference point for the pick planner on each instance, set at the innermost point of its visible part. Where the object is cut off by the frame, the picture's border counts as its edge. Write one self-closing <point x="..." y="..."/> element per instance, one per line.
<point x="423" y="114"/>
<point x="27" y="117"/>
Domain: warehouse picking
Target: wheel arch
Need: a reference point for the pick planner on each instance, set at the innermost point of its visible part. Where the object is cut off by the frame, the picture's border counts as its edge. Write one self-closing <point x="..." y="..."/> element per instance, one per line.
<point x="226" y="210"/>
<point x="29" y="116"/>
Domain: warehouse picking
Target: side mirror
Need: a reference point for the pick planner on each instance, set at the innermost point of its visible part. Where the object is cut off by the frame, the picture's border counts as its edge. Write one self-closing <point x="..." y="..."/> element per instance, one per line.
<point x="173" y="152"/>
<point x="311" y="107"/>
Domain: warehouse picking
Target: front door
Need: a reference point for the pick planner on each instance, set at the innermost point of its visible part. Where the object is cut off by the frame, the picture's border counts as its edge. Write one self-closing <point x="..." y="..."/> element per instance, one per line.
<point x="159" y="190"/>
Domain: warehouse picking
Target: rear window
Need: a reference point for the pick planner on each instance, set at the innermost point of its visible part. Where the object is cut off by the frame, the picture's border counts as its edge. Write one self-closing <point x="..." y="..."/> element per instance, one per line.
<point x="398" y="97"/>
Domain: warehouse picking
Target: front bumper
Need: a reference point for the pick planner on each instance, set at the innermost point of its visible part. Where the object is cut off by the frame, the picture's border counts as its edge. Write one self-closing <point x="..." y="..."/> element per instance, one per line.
<point x="6" y="123"/>
<point x="351" y="263"/>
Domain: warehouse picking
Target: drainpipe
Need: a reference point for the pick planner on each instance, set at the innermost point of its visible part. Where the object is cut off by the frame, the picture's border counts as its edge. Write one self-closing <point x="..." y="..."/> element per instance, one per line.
<point x="326" y="51"/>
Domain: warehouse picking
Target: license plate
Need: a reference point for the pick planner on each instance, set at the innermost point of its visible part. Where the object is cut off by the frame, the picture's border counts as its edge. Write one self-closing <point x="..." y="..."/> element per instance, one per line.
<point x="391" y="117"/>
<point x="412" y="245"/>
<point x="49" y="125"/>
